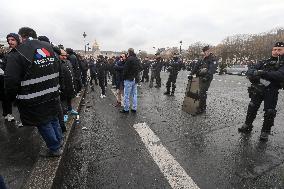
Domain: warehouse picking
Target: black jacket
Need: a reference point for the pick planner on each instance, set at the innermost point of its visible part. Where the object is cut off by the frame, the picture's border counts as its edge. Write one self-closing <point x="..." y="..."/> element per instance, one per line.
<point x="76" y="67"/>
<point x="174" y="67"/>
<point x="210" y="63"/>
<point x="118" y="67"/>
<point x="25" y="74"/>
<point x="146" y="65"/>
<point x="92" y="67"/>
<point x="158" y="65"/>
<point x="101" y="68"/>
<point x="273" y="71"/>
<point x="68" y="89"/>
<point x="131" y="68"/>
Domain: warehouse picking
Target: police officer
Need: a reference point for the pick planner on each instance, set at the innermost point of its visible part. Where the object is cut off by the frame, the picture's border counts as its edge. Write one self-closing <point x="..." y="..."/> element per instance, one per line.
<point x="31" y="76"/>
<point x="204" y="69"/>
<point x="266" y="78"/>
<point x="146" y="66"/>
<point x="156" y="70"/>
<point x="173" y="67"/>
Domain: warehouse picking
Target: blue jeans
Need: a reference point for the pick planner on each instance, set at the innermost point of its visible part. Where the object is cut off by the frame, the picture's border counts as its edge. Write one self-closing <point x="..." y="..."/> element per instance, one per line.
<point x="51" y="134"/>
<point x="130" y="89"/>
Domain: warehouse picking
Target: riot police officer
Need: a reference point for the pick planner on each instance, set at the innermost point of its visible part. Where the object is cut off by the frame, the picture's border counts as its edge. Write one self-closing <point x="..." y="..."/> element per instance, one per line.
<point x="156" y="71"/>
<point x="204" y="69"/>
<point x="173" y="67"/>
<point x="266" y="78"/>
<point x="146" y="66"/>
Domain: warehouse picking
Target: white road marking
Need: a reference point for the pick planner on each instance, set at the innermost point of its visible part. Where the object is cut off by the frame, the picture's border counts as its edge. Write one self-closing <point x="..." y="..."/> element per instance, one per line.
<point x="174" y="173"/>
<point x="219" y="80"/>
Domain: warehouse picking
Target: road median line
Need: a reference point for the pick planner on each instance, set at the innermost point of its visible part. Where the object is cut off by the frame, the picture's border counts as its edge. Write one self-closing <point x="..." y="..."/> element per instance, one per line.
<point x="171" y="169"/>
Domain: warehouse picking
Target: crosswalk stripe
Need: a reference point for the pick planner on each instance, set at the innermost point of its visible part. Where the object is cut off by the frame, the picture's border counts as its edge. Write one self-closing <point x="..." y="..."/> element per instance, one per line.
<point x="171" y="169"/>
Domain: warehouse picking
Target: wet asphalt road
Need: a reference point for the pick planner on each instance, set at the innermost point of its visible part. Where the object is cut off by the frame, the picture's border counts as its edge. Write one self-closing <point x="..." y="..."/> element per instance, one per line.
<point x="19" y="148"/>
<point x="108" y="152"/>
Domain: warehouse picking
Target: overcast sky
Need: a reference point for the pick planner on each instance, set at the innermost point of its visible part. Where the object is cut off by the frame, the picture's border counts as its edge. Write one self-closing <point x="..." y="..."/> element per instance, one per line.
<point x="120" y="24"/>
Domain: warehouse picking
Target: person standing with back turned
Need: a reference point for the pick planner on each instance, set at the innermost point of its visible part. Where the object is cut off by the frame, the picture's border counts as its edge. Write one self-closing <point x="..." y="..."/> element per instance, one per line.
<point x="31" y="76"/>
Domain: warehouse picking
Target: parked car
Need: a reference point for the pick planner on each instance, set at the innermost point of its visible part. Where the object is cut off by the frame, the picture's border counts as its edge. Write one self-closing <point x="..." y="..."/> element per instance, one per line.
<point x="237" y="70"/>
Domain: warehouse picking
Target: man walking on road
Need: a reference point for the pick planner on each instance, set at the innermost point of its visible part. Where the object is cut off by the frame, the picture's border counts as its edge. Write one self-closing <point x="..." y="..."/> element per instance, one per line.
<point x="130" y="75"/>
<point x="31" y="76"/>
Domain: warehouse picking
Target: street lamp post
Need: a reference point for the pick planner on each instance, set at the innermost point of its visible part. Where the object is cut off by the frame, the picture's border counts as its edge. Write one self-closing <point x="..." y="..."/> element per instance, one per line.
<point x="180" y="50"/>
<point x="180" y="47"/>
<point x="85" y="35"/>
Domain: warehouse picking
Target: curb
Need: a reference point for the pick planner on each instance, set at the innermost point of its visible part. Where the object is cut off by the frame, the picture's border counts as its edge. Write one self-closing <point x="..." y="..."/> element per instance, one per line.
<point x="46" y="170"/>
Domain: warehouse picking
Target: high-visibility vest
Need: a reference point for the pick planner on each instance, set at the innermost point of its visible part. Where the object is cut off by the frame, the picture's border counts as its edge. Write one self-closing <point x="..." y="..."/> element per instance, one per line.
<point x="41" y="80"/>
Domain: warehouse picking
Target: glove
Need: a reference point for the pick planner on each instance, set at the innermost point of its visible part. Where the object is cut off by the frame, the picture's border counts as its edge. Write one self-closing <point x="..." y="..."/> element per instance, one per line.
<point x="190" y="77"/>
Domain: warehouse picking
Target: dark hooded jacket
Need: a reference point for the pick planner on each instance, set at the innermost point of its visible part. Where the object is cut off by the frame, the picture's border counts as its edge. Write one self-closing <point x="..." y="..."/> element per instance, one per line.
<point x="131" y="68"/>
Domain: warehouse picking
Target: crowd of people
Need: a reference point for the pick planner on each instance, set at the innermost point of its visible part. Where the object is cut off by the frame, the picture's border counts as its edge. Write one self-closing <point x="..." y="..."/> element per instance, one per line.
<point x="42" y="80"/>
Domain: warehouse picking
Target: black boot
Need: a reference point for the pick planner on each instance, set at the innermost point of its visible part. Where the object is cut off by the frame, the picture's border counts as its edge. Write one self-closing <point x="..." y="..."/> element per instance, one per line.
<point x="251" y="114"/>
<point x="268" y="122"/>
<point x="245" y="128"/>
<point x="167" y="93"/>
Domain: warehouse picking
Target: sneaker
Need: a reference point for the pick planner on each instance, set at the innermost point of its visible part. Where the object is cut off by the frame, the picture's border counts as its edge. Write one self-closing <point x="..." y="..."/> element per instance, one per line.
<point x="49" y="153"/>
<point x="245" y="128"/>
<point x="102" y="96"/>
<point x="133" y="111"/>
<point x="74" y="112"/>
<point x="172" y="94"/>
<point x="65" y="118"/>
<point x="9" y="117"/>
